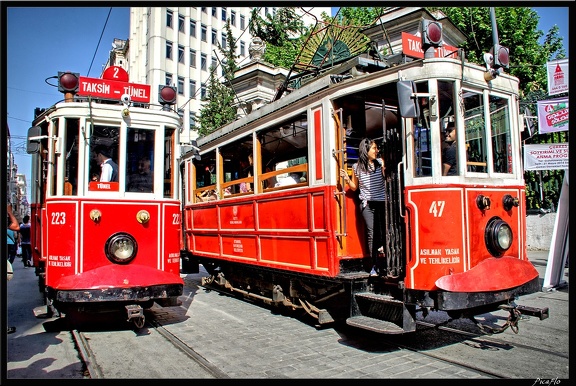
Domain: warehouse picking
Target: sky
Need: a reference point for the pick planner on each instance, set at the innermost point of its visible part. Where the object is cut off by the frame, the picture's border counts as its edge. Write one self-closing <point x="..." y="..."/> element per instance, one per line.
<point x="44" y="40"/>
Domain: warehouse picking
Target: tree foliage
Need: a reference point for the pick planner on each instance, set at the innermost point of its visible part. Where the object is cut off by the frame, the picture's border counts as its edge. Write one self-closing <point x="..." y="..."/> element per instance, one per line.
<point x="219" y="109"/>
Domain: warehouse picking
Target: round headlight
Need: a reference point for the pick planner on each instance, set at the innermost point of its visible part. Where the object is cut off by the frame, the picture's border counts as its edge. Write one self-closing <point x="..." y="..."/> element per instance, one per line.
<point x="121" y="248"/>
<point x="498" y="236"/>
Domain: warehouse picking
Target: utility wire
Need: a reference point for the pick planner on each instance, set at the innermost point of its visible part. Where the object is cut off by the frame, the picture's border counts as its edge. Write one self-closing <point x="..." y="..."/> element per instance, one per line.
<point x="99" y="40"/>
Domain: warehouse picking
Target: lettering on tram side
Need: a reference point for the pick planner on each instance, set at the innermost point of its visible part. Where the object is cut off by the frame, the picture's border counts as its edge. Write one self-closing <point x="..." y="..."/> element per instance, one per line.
<point x="238" y="247"/>
<point x="59" y="261"/>
<point x="173" y="257"/>
<point x="439" y="259"/>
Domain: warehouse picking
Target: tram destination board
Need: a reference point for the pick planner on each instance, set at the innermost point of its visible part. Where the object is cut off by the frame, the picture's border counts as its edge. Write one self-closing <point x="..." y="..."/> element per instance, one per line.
<point x="112" y="89"/>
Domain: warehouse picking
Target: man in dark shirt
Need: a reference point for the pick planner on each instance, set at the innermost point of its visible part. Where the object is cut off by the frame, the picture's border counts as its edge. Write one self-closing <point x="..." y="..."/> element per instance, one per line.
<point x="449" y="155"/>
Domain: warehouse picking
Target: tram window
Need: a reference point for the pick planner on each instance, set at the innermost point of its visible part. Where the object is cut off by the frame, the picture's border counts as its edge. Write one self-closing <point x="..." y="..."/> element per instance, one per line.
<point x="104" y="138"/>
<point x="168" y="162"/>
<point x="205" y="171"/>
<point x="475" y="131"/>
<point x="71" y="157"/>
<point x="501" y="140"/>
<point x="422" y="136"/>
<point x="238" y="167"/>
<point x="139" y="166"/>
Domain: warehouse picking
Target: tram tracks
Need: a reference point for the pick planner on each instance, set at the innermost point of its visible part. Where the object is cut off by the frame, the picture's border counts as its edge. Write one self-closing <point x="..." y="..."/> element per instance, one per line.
<point x="128" y="359"/>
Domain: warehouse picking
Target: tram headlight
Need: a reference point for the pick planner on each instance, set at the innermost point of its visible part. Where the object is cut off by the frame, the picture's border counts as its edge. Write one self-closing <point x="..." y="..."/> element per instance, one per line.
<point x="498" y="236"/>
<point x="121" y="248"/>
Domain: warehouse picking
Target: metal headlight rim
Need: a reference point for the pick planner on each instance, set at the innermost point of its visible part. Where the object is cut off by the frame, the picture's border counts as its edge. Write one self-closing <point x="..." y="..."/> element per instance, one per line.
<point x="493" y="242"/>
<point x="118" y="237"/>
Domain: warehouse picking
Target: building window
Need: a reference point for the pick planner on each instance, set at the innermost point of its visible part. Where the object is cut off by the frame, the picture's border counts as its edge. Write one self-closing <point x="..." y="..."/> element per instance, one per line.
<point x="203" y="91"/>
<point x="193" y="89"/>
<point x="204" y="9"/>
<point x="180" y="23"/>
<point x="192" y="119"/>
<point x="203" y="62"/>
<point x="223" y="13"/>
<point x="169" y="50"/>
<point x="193" y="28"/>
<point x="203" y="33"/>
<point x="214" y="35"/>
<point x="242" y="22"/>
<point x="180" y="54"/>
<point x="233" y="18"/>
<point x="266" y="13"/>
<point x="168" y="18"/>
<point x="193" y="58"/>
<point x="223" y="41"/>
<point x="242" y="48"/>
<point x="213" y="11"/>
<point x="214" y="63"/>
<point x="181" y="85"/>
<point x="168" y="79"/>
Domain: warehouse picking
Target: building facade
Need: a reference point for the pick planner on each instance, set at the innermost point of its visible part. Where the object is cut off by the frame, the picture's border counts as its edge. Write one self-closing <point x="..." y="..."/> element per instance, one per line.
<point x="179" y="45"/>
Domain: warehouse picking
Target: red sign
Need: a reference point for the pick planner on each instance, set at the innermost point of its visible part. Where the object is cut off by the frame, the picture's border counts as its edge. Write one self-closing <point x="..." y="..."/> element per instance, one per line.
<point x="115" y="73"/>
<point x="412" y="46"/>
<point x="111" y="89"/>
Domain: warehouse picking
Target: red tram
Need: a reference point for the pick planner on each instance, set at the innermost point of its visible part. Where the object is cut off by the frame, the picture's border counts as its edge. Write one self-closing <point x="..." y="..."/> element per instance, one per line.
<point x="453" y="243"/>
<point x="100" y="246"/>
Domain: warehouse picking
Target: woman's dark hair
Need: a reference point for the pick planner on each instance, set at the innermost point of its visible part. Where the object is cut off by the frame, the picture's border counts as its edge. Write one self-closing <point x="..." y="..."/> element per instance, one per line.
<point x="363" y="149"/>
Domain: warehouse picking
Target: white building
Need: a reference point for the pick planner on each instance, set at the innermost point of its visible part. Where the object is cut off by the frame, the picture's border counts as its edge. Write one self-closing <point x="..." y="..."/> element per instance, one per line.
<point x="178" y="45"/>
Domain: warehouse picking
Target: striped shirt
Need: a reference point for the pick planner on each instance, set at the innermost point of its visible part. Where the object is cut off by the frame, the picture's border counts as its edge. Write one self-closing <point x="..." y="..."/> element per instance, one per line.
<point x="371" y="184"/>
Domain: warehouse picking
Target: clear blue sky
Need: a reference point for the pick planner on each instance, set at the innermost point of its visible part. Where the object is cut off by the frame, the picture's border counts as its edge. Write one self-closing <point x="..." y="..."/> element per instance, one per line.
<point x="42" y="41"/>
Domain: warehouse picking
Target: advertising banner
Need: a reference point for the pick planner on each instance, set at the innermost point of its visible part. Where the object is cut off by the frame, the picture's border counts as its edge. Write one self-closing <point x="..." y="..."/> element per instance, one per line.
<point x="553" y="115"/>
<point x="557" y="76"/>
<point x="546" y="156"/>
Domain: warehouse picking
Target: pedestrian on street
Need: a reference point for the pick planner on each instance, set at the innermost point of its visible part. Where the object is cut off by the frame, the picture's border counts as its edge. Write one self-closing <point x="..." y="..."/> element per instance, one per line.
<point x="24" y="240"/>
<point x="13" y="226"/>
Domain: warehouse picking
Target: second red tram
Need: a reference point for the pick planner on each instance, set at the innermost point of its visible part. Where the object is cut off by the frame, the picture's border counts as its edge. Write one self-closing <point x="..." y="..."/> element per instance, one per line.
<point x="101" y="244"/>
<point x="268" y="215"/>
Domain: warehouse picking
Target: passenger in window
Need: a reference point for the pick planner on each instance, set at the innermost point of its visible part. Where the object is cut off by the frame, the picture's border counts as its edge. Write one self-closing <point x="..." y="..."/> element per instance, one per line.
<point x="449" y="153"/>
<point x="293" y="178"/>
<point x="143" y="180"/>
<point x="368" y="175"/>
<point x="109" y="168"/>
<point x="246" y="171"/>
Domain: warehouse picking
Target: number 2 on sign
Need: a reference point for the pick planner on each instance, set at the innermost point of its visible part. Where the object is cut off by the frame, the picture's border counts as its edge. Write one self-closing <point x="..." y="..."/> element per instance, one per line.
<point x="437" y="208"/>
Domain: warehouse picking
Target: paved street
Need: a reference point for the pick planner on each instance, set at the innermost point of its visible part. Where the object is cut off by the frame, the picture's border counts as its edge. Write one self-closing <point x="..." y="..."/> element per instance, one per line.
<point x="34" y="353"/>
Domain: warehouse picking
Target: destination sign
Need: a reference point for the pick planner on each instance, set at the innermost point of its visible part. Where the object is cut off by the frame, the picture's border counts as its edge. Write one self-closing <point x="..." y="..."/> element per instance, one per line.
<point x="111" y="89"/>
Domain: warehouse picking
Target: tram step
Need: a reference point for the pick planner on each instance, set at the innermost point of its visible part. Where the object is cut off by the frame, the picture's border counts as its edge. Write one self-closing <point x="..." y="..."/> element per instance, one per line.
<point x="376" y="325"/>
<point x="377" y="298"/>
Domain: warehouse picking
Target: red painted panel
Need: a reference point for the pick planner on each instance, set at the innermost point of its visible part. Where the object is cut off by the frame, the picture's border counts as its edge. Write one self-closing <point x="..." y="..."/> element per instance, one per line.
<point x="239" y="216"/>
<point x="171" y="232"/>
<point x="243" y="246"/>
<point x="284" y="213"/>
<point x="205" y="218"/>
<point x="318" y="143"/>
<point x="291" y="250"/>
<point x="322" y="253"/>
<point x="438" y="228"/>
<point x="61" y="234"/>
<point x="206" y="244"/>
<point x="320" y="212"/>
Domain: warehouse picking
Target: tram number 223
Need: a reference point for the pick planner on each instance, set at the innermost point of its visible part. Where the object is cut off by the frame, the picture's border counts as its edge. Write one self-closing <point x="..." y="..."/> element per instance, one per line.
<point x="437" y="208"/>
<point x="58" y="218"/>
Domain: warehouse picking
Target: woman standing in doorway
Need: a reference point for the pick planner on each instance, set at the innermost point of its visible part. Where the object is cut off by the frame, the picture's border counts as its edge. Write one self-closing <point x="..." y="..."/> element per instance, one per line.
<point x="369" y="177"/>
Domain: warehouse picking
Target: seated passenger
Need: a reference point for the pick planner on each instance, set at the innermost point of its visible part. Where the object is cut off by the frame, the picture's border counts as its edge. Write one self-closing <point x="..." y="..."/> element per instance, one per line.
<point x="143" y="181"/>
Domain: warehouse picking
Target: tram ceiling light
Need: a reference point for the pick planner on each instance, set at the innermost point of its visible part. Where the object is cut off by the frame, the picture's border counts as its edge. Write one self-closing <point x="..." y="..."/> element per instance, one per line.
<point x="68" y="82"/>
<point x="167" y="95"/>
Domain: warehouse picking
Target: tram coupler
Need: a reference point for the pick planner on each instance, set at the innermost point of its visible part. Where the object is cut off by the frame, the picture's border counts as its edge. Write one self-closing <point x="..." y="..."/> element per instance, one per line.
<point x="541" y="313"/>
<point x="134" y="311"/>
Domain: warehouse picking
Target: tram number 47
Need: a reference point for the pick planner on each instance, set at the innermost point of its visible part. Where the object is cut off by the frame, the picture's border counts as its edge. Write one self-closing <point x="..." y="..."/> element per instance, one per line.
<point x="58" y="218"/>
<point x="436" y="208"/>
